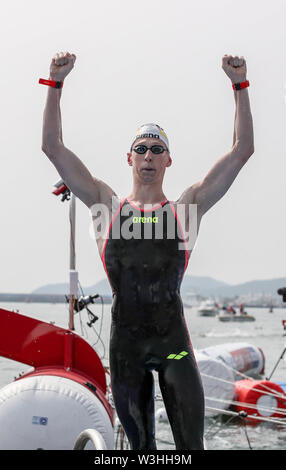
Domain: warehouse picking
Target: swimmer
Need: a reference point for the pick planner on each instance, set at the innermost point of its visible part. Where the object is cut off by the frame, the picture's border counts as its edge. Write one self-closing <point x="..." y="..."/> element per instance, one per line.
<point x="148" y="329"/>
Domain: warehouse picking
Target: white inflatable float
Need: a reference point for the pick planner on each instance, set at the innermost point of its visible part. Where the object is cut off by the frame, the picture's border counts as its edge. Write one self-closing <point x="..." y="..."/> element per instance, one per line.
<point x="49" y="412"/>
<point x="63" y="394"/>
<point x="242" y="357"/>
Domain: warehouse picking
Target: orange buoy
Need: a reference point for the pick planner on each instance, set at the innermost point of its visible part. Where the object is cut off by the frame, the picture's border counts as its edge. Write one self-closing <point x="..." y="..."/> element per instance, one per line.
<point x="260" y="398"/>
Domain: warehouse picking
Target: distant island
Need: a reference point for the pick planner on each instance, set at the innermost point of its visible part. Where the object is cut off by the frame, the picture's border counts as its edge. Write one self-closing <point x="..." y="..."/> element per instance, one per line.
<point x="255" y="293"/>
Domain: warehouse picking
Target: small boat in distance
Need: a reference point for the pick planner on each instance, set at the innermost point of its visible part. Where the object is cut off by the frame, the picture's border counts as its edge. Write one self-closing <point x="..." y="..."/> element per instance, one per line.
<point x="237" y="318"/>
<point x="230" y="314"/>
<point x="208" y="308"/>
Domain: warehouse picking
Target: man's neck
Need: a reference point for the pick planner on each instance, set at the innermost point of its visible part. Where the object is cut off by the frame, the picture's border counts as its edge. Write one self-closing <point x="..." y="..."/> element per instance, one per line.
<point x="146" y="195"/>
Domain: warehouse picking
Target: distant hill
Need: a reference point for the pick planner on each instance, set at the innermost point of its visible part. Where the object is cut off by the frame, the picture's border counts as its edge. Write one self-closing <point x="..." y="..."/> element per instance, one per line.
<point x="59" y="289"/>
<point x="202" y="285"/>
<point x="266" y="287"/>
<point x="101" y="287"/>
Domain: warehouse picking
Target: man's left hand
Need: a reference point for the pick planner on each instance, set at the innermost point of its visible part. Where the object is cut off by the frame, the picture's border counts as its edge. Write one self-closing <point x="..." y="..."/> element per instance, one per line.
<point x="234" y="67"/>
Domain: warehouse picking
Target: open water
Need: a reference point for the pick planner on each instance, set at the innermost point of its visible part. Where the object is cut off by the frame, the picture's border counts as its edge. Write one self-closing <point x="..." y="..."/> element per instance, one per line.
<point x="222" y="433"/>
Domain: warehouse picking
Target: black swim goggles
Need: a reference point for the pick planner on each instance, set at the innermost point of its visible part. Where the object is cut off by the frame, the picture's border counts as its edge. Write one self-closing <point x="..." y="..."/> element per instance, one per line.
<point x="156" y="149"/>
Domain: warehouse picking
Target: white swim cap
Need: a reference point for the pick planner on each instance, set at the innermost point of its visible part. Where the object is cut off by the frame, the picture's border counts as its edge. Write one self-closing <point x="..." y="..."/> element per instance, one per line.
<point x="151" y="131"/>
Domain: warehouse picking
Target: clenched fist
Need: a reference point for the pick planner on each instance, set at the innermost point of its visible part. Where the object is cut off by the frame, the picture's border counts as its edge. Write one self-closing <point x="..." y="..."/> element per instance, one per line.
<point x="62" y="64"/>
<point x="234" y="67"/>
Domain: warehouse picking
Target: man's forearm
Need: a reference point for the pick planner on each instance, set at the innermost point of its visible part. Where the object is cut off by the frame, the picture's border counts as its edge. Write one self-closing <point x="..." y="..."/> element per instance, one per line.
<point x="52" y="126"/>
<point x="235" y="116"/>
<point x="243" y="125"/>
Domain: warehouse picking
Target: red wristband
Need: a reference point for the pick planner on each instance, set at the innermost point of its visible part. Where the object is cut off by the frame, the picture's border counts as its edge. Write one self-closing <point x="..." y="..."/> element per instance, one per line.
<point x="51" y="83"/>
<point x="240" y="86"/>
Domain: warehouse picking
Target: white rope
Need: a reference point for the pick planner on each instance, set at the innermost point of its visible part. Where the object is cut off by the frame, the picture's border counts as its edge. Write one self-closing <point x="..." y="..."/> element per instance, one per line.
<point x="280" y="421"/>
<point x="273" y="394"/>
<point x="233" y="402"/>
<point x="239" y="403"/>
<point x="217" y="378"/>
<point x="259" y="418"/>
<point x="222" y="411"/>
<point x="242" y="404"/>
<point x="276" y="394"/>
<point x="237" y="372"/>
<point x="252" y="379"/>
<point x="248" y="405"/>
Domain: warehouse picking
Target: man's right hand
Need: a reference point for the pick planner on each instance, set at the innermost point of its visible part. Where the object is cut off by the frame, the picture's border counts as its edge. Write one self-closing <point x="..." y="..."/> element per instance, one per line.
<point x="62" y="64"/>
<point x="75" y="174"/>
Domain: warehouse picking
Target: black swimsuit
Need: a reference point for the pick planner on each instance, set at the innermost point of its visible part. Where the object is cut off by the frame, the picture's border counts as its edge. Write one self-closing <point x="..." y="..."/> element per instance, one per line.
<point x="145" y="269"/>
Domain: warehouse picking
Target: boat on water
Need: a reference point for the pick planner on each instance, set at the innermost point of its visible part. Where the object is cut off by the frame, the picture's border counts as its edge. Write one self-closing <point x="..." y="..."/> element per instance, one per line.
<point x="208" y="308"/>
<point x="226" y="317"/>
<point x="230" y="314"/>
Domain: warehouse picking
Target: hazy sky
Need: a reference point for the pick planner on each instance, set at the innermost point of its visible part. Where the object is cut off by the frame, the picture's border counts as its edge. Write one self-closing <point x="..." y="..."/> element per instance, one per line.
<point x="137" y="62"/>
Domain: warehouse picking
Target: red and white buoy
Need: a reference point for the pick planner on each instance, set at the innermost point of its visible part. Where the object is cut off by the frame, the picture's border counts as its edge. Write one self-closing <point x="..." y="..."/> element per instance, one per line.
<point x="63" y="394"/>
<point x="260" y="399"/>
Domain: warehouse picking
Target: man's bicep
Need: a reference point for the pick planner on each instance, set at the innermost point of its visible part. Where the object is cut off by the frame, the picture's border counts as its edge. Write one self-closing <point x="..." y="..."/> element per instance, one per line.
<point x="75" y="175"/>
<point x="219" y="179"/>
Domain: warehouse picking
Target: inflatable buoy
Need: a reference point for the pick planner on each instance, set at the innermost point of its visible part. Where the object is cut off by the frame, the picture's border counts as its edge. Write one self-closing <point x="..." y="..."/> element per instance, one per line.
<point x="49" y="412"/>
<point x="260" y="398"/>
<point x="64" y="393"/>
<point x="243" y="357"/>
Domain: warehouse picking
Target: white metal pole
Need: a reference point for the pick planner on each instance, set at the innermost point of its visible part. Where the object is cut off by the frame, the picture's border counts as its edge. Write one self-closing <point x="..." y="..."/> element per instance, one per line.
<point x="73" y="286"/>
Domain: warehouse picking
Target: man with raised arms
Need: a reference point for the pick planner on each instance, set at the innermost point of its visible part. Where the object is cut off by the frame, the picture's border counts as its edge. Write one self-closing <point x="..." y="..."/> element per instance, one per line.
<point x="148" y="329"/>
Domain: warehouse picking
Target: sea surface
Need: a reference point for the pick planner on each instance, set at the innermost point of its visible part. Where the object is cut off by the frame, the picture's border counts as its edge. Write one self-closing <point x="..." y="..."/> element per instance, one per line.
<point x="221" y="432"/>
